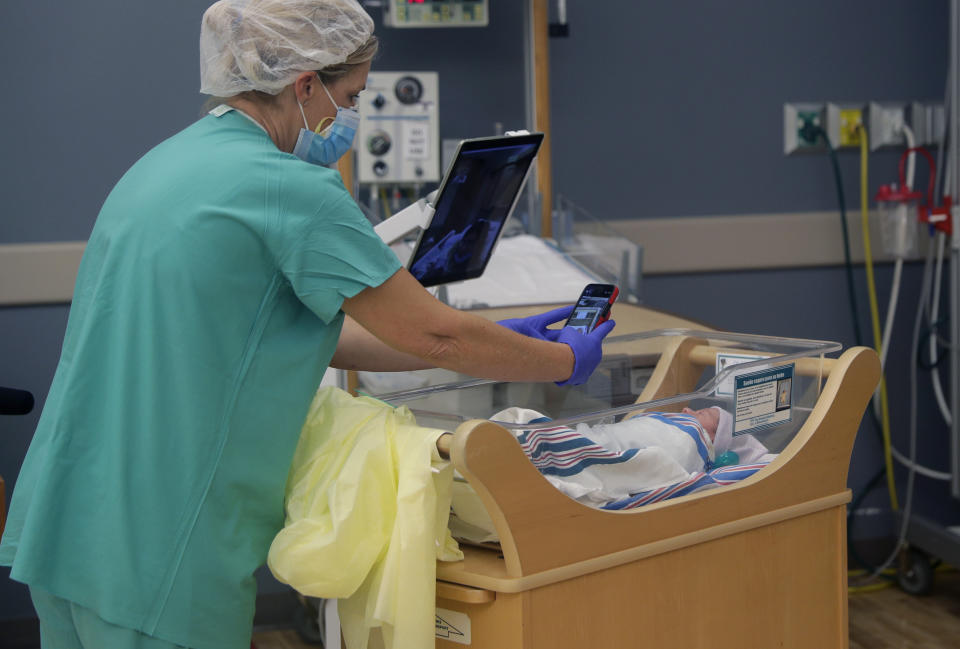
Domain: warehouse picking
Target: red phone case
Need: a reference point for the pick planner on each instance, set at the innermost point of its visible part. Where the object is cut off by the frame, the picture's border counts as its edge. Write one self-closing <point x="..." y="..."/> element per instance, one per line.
<point x="606" y="312"/>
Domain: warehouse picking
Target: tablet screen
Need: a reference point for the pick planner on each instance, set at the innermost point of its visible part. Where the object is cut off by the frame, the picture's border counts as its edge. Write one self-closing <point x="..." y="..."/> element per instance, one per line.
<point x="476" y="198"/>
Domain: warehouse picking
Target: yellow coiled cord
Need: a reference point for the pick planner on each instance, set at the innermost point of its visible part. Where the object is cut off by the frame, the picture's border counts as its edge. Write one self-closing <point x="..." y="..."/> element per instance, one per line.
<point x="875" y="317"/>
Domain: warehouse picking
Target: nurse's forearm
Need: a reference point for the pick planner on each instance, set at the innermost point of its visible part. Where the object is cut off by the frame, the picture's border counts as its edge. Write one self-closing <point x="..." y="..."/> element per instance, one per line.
<point x="360" y="350"/>
<point x="478" y="348"/>
<point x="407" y="318"/>
<point x="481" y="348"/>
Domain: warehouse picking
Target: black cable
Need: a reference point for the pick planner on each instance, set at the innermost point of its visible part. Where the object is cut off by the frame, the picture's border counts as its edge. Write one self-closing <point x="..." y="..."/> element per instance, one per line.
<point x="818" y="132"/>
<point x="812" y="133"/>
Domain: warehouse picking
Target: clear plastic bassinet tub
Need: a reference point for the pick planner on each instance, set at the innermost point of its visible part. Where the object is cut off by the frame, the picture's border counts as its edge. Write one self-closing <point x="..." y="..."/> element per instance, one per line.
<point x="667" y="413"/>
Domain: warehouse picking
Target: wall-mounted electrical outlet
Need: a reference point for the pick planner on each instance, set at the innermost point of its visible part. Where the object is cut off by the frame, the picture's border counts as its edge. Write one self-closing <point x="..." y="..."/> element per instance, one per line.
<point x="843" y="121"/>
<point x="802" y="125"/>
<point x="851" y="119"/>
<point x="805" y="124"/>
<point x="927" y="120"/>
<point x="885" y="124"/>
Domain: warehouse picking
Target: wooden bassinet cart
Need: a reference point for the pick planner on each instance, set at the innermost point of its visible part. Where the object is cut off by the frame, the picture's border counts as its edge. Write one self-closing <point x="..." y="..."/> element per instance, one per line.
<point x="761" y="563"/>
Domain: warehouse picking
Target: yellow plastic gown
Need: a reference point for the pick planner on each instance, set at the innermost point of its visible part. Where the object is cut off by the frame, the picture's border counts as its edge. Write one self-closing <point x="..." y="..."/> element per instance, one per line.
<point x="367" y="503"/>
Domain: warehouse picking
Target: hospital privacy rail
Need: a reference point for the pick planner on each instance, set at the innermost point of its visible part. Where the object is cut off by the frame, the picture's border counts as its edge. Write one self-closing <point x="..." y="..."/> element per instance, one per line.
<point x="757" y="562"/>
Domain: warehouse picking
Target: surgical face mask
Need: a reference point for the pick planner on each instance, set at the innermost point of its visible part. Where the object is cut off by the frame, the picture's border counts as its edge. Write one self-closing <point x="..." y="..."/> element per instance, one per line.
<point x="327" y="146"/>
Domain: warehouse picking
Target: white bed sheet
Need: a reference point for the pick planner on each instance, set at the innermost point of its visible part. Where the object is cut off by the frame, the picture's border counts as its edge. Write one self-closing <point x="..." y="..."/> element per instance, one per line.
<point x="523" y="270"/>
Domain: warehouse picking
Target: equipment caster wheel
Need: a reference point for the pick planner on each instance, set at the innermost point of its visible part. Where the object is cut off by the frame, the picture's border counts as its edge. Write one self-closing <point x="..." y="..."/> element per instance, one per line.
<point x="915" y="575"/>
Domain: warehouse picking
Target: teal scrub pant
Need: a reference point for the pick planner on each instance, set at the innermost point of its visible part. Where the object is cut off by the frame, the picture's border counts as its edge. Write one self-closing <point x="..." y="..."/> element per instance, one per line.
<point x="65" y="625"/>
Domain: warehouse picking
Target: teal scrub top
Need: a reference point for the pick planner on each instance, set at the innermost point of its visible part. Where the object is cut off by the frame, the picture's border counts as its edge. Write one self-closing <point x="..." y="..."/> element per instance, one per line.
<point x="206" y="310"/>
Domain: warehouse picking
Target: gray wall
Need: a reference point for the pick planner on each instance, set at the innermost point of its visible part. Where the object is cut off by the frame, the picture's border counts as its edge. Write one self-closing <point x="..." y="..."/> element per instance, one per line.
<point x="675" y="108"/>
<point x="659" y="109"/>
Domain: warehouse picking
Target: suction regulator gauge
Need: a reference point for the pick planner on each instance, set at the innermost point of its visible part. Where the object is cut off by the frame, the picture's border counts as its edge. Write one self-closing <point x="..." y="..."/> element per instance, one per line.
<point x="409" y="90"/>
<point x="379" y="142"/>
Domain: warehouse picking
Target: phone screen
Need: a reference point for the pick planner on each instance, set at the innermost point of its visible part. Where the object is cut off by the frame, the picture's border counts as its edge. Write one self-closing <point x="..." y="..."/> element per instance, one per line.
<point x="592" y="306"/>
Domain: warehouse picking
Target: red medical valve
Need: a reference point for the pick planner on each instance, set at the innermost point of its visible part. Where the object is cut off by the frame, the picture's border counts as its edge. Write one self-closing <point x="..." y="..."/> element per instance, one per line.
<point x="938" y="218"/>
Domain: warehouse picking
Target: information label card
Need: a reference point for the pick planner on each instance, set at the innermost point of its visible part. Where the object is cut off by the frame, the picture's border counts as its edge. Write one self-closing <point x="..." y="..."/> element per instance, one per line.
<point x="762" y="399"/>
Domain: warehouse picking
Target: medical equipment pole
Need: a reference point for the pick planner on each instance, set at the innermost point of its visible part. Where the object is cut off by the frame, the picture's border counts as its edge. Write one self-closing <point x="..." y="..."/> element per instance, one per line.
<point x="537" y="66"/>
<point x="953" y="167"/>
<point x="530" y="103"/>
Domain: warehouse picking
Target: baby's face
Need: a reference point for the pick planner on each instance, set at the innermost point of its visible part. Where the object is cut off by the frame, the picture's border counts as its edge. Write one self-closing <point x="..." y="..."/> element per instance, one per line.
<point x="709" y="418"/>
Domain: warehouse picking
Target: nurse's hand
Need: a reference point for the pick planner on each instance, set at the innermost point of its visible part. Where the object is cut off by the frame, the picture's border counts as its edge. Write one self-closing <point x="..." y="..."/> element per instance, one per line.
<point x="587" y="350"/>
<point x="535" y="326"/>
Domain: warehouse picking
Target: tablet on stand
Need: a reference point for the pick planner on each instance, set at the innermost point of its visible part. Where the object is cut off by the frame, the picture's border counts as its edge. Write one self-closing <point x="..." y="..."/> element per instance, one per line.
<point x="459" y="229"/>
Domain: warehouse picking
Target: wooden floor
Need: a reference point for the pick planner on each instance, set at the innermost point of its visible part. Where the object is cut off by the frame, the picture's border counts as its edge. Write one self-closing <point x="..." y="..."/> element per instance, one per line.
<point x="883" y="619"/>
<point x="892" y="619"/>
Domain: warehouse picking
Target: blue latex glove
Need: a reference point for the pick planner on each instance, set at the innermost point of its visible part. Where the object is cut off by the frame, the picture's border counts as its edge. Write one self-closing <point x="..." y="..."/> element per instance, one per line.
<point x="587" y="350"/>
<point x="535" y="326"/>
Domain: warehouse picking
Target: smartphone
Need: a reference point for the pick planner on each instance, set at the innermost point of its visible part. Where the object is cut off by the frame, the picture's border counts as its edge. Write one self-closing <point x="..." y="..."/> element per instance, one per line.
<point x="593" y="307"/>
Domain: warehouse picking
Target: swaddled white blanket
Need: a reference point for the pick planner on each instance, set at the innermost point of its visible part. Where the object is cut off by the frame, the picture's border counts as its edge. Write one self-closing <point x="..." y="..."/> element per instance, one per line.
<point x="598" y="464"/>
<point x="644" y="459"/>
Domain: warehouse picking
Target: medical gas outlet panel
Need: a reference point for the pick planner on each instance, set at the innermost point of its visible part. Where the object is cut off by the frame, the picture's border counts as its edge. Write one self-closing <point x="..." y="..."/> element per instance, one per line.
<point x="398" y="137"/>
<point x="435" y="13"/>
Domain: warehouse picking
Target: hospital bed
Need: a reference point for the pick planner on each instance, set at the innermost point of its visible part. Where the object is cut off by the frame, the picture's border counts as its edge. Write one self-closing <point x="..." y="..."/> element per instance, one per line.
<point x="758" y="563"/>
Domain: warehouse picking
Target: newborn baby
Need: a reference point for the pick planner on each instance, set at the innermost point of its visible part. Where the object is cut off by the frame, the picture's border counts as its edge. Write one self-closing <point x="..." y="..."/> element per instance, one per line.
<point x="718" y="424"/>
<point x="709" y="418"/>
<point x="679" y="440"/>
<point x="604" y="462"/>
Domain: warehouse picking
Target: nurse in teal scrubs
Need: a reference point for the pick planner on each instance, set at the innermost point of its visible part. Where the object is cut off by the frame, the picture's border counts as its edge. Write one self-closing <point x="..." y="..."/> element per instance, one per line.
<point x="227" y="270"/>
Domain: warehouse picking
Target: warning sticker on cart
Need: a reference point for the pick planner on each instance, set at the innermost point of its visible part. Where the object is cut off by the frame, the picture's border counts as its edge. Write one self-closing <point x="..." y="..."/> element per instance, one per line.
<point x="453" y="626"/>
<point x="762" y="399"/>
